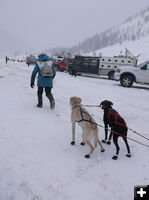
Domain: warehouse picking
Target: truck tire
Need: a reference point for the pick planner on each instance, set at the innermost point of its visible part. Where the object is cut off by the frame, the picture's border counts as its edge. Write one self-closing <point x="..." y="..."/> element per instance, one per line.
<point x="111" y="75"/>
<point x="126" y="81"/>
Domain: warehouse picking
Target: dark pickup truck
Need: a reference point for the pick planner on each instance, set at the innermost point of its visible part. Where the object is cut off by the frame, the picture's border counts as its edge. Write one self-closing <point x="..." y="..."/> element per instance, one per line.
<point x="84" y="64"/>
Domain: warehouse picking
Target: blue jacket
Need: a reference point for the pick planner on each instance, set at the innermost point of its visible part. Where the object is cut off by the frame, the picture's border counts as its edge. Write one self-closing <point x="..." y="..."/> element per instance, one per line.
<point x="42" y="80"/>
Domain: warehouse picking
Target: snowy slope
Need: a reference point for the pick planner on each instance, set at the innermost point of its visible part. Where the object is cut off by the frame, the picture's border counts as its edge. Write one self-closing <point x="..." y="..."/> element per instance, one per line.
<point x="37" y="161"/>
<point x="137" y="47"/>
<point x="132" y="29"/>
<point x="136" y="26"/>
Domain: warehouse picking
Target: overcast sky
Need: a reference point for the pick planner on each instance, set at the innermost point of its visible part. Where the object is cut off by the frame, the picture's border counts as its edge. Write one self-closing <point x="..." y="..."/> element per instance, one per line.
<point x="63" y="23"/>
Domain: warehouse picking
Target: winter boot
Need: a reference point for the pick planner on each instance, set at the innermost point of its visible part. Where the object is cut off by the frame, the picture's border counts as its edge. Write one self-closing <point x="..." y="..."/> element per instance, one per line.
<point x="52" y="102"/>
<point x="39" y="105"/>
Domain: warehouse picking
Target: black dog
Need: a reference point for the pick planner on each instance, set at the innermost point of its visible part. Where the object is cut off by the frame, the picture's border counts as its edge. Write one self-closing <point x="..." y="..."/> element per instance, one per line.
<point x="118" y="126"/>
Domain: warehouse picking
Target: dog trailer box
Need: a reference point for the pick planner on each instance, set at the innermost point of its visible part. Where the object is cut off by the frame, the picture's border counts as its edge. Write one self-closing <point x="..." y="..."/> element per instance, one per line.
<point x="105" y="66"/>
<point x="108" y="65"/>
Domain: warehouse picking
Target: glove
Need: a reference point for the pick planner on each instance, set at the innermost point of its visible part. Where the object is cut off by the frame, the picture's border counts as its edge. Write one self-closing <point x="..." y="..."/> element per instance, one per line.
<point x="32" y="85"/>
<point x="53" y="77"/>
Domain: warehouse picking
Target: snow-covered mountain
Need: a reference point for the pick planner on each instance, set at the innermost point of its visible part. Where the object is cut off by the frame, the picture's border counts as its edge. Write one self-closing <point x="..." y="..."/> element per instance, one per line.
<point x="10" y="44"/>
<point x="132" y="29"/>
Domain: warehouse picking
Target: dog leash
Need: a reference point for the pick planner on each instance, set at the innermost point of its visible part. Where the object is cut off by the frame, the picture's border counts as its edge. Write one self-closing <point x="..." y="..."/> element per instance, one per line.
<point x="92" y="106"/>
<point x="115" y="132"/>
<point x="123" y="136"/>
<point x="128" y="127"/>
<point x="138" y="134"/>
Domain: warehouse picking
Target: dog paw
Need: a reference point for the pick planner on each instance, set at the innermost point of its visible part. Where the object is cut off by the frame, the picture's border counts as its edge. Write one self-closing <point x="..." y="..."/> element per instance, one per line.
<point x="115" y="157"/>
<point x="104" y="141"/>
<point x="109" y="142"/>
<point x="72" y="143"/>
<point x="102" y="150"/>
<point x="82" y="143"/>
<point x="87" y="156"/>
<point x="128" y="155"/>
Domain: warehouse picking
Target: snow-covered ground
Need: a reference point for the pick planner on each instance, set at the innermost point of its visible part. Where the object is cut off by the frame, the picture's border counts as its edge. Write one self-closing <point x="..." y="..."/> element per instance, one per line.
<point x="37" y="161"/>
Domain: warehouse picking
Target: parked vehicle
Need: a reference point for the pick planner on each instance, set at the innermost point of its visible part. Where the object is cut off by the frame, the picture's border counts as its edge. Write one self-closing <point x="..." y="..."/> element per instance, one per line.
<point x="62" y="64"/>
<point x="105" y="66"/>
<point x="57" y="58"/>
<point x="84" y="64"/>
<point x="128" y="75"/>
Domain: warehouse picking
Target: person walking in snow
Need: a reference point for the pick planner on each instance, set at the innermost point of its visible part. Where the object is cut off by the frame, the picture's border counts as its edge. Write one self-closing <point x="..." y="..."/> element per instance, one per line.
<point x="46" y="73"/>
<point x="72" y="69"/>
<point x="6" y="59"/>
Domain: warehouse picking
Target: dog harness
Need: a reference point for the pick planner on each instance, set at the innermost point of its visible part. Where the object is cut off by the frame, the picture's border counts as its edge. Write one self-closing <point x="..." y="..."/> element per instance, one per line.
<point x="115" y="118"/>
<point x="81" y="113"/>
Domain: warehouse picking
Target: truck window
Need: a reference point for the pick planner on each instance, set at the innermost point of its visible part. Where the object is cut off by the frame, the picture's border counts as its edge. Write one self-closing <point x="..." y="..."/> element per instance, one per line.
<point x="148" y="66"/>
<point x="144" y="67"/>
<point x="85" y="61"/>
<point x="93" y="62"/>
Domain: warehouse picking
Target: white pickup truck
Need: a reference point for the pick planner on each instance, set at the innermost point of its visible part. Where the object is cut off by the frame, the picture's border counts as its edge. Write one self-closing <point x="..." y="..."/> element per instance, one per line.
<point x="128" y="75"/>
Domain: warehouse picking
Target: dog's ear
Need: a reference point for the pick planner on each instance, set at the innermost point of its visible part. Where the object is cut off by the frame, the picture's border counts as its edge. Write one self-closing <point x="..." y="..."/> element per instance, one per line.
<point x="110" y="103"/>
<point x="79" y="100"/>
<point x="106" y="104"/>
<point x="71" y="100"/>
<point x="101" y="104"/>
<point x="75" y="100"/>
